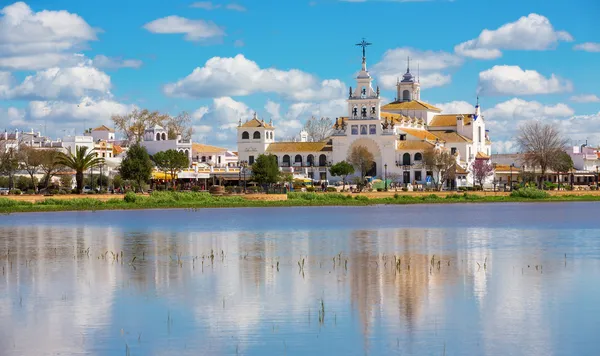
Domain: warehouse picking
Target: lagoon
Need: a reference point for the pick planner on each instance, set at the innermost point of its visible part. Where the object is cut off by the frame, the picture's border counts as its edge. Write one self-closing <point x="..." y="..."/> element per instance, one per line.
<point x="467" y="279"/>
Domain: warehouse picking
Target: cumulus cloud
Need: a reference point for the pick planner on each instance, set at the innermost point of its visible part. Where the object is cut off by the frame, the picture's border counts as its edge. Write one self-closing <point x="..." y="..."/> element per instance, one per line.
<point x="62" y="84"/>
<point x="433" y="67"/>
<point x="532" y="32"/>
<point x="222" y="116"/>
<point x="102" y="61"/>
<point x="36" y="40"/>
<point x="456" y="107"/>
<point x="588" y="47"/>
<point x="512" y="80"/>
<point x="194" y="30"/>
<point x="585" y="98"/>
<point x="239" y="76"/>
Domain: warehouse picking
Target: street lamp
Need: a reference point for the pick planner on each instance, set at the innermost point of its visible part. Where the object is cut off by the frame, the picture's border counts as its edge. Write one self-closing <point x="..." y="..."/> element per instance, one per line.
<point x="312" y="174"/>
<point x="243" y="165"/>
<point x="596" y="177"/>
<point x="572" y="177"/>
<point x="511" y="181"/>
<point x="385" y="176"/>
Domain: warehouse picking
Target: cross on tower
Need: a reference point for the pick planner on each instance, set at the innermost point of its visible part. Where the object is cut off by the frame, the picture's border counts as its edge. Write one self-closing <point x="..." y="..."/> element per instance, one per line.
<point x="364" y="45"/>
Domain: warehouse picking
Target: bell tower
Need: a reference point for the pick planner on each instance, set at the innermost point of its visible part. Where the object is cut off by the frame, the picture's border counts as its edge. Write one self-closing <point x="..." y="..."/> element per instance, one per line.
<point x="409" y="88"/>
<point x="364" y="102"/>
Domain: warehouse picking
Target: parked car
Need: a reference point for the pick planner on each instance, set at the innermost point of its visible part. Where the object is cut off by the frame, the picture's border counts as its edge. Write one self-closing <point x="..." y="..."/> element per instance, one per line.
<point x="86" y="189"/>
<point x="4" y="191"/>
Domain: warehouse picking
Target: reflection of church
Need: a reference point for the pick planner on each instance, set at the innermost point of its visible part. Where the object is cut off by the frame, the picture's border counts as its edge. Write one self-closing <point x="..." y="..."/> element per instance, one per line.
<point x="396" y="134"/>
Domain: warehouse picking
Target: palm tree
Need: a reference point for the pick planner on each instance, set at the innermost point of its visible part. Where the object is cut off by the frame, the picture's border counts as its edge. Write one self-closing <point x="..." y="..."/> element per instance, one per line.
<point x="81" y="161"/>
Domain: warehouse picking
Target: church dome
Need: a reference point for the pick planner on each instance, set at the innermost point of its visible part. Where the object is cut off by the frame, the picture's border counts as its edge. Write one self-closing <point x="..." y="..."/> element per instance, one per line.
<point x="408" y="77"/>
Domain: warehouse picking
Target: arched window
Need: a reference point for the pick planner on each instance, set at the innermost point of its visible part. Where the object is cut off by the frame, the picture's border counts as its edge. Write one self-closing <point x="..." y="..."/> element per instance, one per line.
<point x="256" y="135"/>
<point x="322" y="160"/>
<point x="164" y="136"/>
<point x="363" y="111"/>
<point x="406" y="95"/>
<point x="203" y="158"/>
<point x="355" y="111"/>
<point x="310" y="160"/>
<point x="406" y="159"/>
<point x="418" y="156"/>
<point x="479" y="133"/>
<point x="157" y="137"/>
<point x="298" y="159"/>
<point x="363" y="93"/>
<point x="187" y="153"/>
<point x="245" y="135"/>
<point x="286" y="161"/>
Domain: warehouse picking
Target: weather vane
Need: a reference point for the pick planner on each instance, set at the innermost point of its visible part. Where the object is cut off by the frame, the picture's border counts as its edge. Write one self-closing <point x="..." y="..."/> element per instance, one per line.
<point x="364" y="45"/>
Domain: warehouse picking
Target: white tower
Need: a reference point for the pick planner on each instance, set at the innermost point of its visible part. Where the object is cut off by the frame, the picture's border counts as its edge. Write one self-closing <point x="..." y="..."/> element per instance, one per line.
<point x="409" y="87"/>
<point x="364" y="102"/>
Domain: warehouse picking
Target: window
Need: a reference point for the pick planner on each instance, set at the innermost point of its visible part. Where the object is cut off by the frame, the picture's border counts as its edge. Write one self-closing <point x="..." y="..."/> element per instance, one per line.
<point x="210" y="158"/>
<point x="469" y="152"/>
<point x="245" y="135"/>
<point x="406" y="95"/>
<point x="418" y="177"/>
<point x="355" y="111"/>
<point x="310" y="160"/>
<point x="286" y="161"/>
<point x="372" y="129"/>
<point x="219" y="159"/>
<point x="363" y="93"/>
<point x="355" y="129"/>
<point x="322" y="160"/>
<point x="406" y="159"/>
<point x="256" y="135"/>
<point x="373" y="110"/>
<point x="157" y="137"/>
<point x="403" y="137"/>
<point x="363" y="129"/>
<point x="418" y="157"/>
<point x="298" y="159"/>
<point x="103" y="154"/>
<point x="251" y="160"/>
<point x="164" y="136"/>
<point x="453" y="151"/>
<point x="479" y="133"/>
<point x="363" y="111"/>
<point x="187" y="153"/>
<point x="203" y="158"/>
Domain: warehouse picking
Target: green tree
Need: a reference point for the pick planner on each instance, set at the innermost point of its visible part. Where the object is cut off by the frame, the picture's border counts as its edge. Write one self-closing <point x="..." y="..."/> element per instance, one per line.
<point x="361" y="159"/>
<point x="136" y="166"/>
<point x="50" y="165"/>
<point x="171" y="161"/>
<point x="66" y="181"/>
<point x="80" y="161"/>
<point x="31" y="160"/>
<point x="117" y="181"/>
<point x="561" y="163"/>
<point x="265" y="170"/>
<point x="9" y="163"/>
<point x="342" y="169"/>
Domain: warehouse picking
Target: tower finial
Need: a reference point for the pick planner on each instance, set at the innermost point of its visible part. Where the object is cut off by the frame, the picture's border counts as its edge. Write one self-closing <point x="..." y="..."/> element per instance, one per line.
<point x="408" y="64"/>
<point x="364" y="45"/>
<point x="477" y="100"/>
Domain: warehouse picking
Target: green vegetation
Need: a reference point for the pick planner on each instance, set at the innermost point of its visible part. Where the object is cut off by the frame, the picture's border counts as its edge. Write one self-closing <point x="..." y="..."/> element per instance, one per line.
<point x="137" y="166"/>
<point x="166" y="200"/>
<point x="265" y="170"/>
<point x="171" y="161"/>
<point x="80" y="161"/>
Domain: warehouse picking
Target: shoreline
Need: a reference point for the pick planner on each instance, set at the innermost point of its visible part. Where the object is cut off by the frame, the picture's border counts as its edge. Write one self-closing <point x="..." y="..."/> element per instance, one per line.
<point x="204" y="201"/>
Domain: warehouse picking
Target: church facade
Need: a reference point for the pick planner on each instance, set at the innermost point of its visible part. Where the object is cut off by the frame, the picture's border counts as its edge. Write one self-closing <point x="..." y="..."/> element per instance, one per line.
<point x="396" y="134"/>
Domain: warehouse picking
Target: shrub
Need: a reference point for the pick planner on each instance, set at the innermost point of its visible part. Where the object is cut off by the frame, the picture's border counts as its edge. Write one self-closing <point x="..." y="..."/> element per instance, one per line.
<point x="529" y="193"/>
<point x="15" y="192"/>
<point x="396" y="196"/>
<point x="593" y="187"/>
<point x="130" y="197"/>
<point x="380" y="189"/>
<point x="310" y="189"/>
<point x="195" y="188"/>
<point x="30" y="191"/>
<point x="361" y="198"/>
<point x="550" y="186"/>
<point x="331" y="189"/>
<point x="404" y="189"/>
<point x="62" y="192"/>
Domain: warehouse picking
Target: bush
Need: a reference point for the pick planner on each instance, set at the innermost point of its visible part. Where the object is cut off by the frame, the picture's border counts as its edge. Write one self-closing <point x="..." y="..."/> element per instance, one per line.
<point x="62" y="192"/>
<point x="15" y="192"/>
<point x="30" y="191"/>
<point x="130" y="197"/>
<point x="396" y="196"/>
<point x="550" y="186"/>
<point x="331" y="189"/>
<point x="310" y="189"/>
<point x="529" y="193"/>
<point x="361" y="198"/>
<point x="380" y="189"/>
<point x="195" y="188"/>
<point x="593" y="187"/>
<point x="319" y="197"/>
<point x="404" y="189"/>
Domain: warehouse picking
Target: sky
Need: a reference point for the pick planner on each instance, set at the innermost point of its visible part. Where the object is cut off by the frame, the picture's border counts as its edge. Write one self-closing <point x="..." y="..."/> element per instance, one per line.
<point x="66" y="65"/>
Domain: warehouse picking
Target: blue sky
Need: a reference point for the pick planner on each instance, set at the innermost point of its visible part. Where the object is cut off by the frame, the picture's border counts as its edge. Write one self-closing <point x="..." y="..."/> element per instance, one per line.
<point x="72" y="64"/>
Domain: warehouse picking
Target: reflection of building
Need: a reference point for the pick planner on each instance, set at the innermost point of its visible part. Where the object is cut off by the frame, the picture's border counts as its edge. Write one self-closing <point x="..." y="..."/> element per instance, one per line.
<point x="396" y="134"/>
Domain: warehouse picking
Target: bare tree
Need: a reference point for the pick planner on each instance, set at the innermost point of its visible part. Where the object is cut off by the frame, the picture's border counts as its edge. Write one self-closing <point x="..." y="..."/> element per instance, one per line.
<point x="481" y="170"/>
<point x="441" y="163"/>
<point x="49" y="165"/>
<point x="31" y="160"/>
<point x="9" y="162"/>
<point x="361" y="159"/>
<point x="180" y="125"/>
<point x="541" y="143"/>
<point x="134" y="124"/>
<point x="318" y="129"/>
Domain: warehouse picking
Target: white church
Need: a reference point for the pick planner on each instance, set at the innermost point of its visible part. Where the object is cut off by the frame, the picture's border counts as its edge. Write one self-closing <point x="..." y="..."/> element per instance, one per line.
<point x="396" y="134"/>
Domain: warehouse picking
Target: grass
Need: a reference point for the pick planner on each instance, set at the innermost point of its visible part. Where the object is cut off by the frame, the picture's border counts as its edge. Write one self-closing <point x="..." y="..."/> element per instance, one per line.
<point x="192" y="200"/>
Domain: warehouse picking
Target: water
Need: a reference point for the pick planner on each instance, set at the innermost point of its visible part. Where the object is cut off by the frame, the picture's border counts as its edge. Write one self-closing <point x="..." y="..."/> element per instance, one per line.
<point x="480" y="279"/>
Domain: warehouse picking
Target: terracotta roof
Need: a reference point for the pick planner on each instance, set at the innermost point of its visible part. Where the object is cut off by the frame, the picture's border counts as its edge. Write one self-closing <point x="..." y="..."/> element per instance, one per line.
<point x="257" y="123"/>
<point x="451" y="136"/>
<point x="449" y="120"/>
<point x="297" y="147"/>
<point x="504" y="168"/>
<point x="410" y="105"/>
<point x="421" y="134"/>
<point x="481" y="155"/>
<point x="117" y="149"/>
<point x="103" y="128"/>
<point x="460" y="170"/>
<point x="200" y="148"/>
<point x="414" y="145"/>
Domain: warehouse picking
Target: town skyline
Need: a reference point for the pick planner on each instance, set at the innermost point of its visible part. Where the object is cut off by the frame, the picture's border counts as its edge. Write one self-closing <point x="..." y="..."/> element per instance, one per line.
<point x="222" y="61"/>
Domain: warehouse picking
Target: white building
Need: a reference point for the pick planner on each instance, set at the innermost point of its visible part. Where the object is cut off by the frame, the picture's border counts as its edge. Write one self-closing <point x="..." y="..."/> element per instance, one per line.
<point x="396" y="134"/>
<point x="156" y="139"/>
<point x="214" y="156"/>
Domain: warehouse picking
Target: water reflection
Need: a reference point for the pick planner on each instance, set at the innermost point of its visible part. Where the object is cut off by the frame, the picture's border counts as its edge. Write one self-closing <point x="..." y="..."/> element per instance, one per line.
<point x="81" y="287"/>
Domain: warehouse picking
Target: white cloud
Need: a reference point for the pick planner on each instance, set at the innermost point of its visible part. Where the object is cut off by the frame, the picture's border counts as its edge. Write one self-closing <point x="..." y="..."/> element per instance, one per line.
<point x="431" y="65"/>
<point x="35" y="40"/>
<point x="239" y="76"/>
<point x="101" y="61"/>
<point x="505" y="146"/>
<point x="582" y="127"/>
<point x="588" y="47"/>
<point x="512" y="80"/>
<point x="62" y="84"/>
<point x="585" y="98"/>
<point x="238" y="43"/>
<point x="273" y="109"/>
<point x="235" y="7"/>
<point x="532" y="32"/>
<point x="194" y="30"/>
<point x="222" y="116"/>
<point x="456" y="107"/>
<point x="521" y="109"/>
